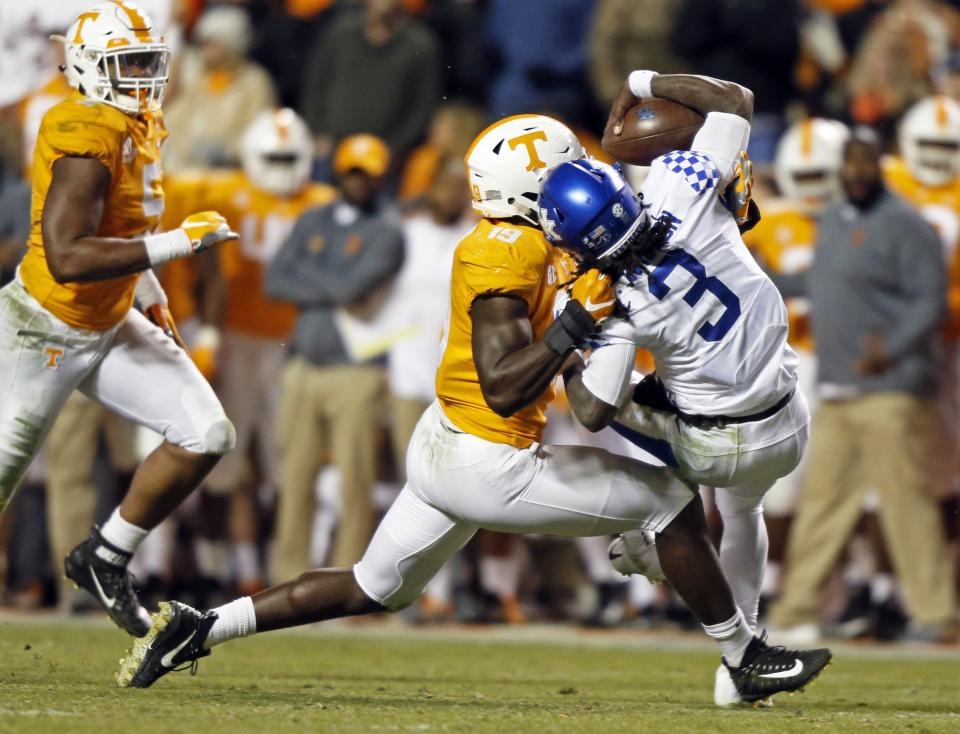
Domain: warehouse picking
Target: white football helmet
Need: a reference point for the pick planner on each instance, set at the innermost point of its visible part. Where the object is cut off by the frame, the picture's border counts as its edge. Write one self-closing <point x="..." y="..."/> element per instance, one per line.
<point x="277" y="152"/>
<point x="114" y="56"/>
<point x="507" y="161"/>
<point x="930" y="140"/>
<point x="808" y="160"/>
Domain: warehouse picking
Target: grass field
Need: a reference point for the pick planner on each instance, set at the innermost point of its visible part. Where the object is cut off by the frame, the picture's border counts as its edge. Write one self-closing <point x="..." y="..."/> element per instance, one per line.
<point x="57" y="677"/>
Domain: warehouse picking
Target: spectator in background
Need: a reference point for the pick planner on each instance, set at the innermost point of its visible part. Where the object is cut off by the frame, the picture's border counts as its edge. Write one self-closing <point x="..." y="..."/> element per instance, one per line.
<point x="216" y="102"/>
<point x="375" y="69"/>
<point x="422" y="295"/>
<point x="628" y="35"/>
<point x="753" y="43"/>
<point x="542" y="45"/>
<point x="452" y="129"/>
<point x="875" y="332"/>
<point x="338" y="257"/>
<point x="894" y="62"/>
<point x="283" y="38"/>
<point x="458" y="25"/>
<point x="261" y="202"/>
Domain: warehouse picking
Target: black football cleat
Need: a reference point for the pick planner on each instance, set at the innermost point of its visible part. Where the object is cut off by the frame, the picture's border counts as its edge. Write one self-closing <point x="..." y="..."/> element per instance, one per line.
<point x="174" y="643"/>
<point x="101" y="569"/>
<point x="767" y="670"/>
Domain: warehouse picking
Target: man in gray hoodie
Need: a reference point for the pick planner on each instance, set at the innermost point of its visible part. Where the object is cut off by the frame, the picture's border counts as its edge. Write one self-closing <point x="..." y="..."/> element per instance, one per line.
<point x="877" y="288"/>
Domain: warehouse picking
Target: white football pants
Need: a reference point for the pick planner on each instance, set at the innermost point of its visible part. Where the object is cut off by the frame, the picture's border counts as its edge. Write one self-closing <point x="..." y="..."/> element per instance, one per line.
<point x="458" y="483"/>
<point x="133" y="369"/>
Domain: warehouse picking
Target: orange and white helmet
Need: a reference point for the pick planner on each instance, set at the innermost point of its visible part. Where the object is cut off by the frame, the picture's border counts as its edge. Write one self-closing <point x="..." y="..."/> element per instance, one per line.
<point x="114" y="56"/>
<point x="277" y="152"/>
<point x="507" y="161"/>
<point x="930" y="140"/>
<point x="808" y="160"/>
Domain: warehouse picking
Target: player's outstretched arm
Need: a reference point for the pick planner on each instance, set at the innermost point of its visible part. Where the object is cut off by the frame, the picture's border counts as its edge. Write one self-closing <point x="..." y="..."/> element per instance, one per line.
<point x="701" y="93"/>
<point x="71" y="217"/>
<point x="513" y="369"/>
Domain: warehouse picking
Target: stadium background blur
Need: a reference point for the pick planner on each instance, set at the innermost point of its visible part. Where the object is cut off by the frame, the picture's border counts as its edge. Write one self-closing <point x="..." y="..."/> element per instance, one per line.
<point x="424" y="76"/>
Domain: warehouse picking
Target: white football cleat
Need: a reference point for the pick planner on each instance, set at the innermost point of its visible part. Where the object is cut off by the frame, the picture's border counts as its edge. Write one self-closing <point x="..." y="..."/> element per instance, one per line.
<point x="725" y="693"/>
<point x="636" y="552"/>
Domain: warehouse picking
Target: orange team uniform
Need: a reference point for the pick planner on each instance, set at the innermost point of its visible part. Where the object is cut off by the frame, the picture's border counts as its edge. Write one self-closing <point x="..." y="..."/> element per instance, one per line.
<point x="784" y="240"/>
<point x="263" y="222"/>
<point x="129" y="147"/>
<point x="940" y="206"/>
<point x="497" y="258"/>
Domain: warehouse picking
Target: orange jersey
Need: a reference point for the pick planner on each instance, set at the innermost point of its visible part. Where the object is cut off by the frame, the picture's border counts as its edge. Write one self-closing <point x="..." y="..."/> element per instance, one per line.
<point x="940" y="206"/>
<point x="500" y="258"/>
<point x="263" y="222"/>
<point x="784" y="240"/>
<point x="130" y="149"/>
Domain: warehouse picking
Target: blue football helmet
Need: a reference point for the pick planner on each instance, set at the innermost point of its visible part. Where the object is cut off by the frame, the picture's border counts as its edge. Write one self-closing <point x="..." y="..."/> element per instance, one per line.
<point x="589" y="210"/>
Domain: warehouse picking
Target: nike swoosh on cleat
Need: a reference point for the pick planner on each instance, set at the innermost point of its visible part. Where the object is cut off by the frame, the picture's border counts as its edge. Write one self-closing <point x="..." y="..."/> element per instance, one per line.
<point x="108" y="602"/>
<point x="591" y="306"/>
<point x="795" y="670"/>
<point x="167" y="660"/>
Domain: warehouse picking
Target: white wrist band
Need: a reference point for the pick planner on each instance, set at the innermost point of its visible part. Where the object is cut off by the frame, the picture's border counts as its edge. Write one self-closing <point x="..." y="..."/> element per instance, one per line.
<point x="167" y="246"/>
<point x="639" y="82"/>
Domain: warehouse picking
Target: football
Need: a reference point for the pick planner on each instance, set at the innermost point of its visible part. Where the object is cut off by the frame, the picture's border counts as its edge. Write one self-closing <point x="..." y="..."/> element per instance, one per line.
<point x="650" y="129"/>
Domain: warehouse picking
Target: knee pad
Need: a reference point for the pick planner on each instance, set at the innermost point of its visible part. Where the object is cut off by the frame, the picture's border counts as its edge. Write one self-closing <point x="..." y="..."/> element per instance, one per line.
<point x="220" y="437"/>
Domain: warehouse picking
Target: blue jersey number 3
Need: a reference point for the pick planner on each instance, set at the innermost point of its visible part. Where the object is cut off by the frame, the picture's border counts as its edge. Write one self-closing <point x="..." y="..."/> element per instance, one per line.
<point x="711" y="332"/>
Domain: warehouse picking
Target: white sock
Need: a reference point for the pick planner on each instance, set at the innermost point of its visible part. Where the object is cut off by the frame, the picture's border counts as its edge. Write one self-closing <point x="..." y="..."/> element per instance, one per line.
<point x="234" y="619"/>
<point x="881" y="588"/>
<point x="733" y="636"/>
<point x="121" y="534"/>
<point x="743" y="549"/>
<point x="213" y="558"/>
<point x="246" y="565"/>
<point x="771" y="579"/>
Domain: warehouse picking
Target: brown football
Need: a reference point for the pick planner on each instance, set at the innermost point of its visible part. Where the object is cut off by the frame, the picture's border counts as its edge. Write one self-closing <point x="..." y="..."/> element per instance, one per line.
<point x="650" y="129"/>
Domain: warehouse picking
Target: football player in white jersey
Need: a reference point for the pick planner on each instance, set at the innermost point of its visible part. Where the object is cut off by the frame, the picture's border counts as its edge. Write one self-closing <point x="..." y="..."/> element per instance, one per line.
<point x="723" y="406"/>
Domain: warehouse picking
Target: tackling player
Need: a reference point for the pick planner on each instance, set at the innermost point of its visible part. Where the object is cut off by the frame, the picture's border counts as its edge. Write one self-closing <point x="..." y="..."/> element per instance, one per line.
<point x="66" y="322"/>
<point x="475" y="459"/>
<point x="722" y="407"/>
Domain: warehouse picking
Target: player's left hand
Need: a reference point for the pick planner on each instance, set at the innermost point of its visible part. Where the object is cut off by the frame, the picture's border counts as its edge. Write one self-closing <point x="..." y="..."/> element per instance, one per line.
<point x="159" y="314"/>
<point x="737" y="196"/>
<point x="875" y="360"/>
<point x="596" y="292"/>
<point x="624" y="101"/>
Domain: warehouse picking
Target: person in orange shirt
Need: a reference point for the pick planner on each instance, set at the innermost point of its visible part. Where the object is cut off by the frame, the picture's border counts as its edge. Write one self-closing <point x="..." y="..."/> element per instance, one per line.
<point x="66" y="321"/>
<point x="476" y="458"/>
<point x="807" y="171"/>
<point x="262" y="203"/>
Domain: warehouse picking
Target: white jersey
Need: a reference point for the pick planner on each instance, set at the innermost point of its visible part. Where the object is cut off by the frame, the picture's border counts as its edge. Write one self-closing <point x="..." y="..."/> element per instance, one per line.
<point x="421" y="299"/>
<point x="713" y="321"/>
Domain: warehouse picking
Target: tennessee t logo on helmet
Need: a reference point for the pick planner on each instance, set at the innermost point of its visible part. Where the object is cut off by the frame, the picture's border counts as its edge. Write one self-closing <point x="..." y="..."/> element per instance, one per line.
<point x="506" y="162"/>
<point x="113" y="56"/>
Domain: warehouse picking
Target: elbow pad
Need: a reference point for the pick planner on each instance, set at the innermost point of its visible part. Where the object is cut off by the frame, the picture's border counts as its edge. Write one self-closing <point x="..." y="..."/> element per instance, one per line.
<point x="571" y="330"/>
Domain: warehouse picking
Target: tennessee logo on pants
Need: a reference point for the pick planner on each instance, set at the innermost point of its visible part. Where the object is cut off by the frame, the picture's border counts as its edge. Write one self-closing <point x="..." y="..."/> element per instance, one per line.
<point x="52" y="357"/>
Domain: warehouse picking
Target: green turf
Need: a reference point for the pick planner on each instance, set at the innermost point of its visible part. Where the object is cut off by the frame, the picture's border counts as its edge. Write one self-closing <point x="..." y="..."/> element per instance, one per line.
<point x="57" y="677"/>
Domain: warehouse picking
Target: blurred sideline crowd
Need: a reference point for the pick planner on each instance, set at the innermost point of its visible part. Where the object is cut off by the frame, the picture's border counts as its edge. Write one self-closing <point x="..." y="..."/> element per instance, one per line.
<point x="290" y="116"/>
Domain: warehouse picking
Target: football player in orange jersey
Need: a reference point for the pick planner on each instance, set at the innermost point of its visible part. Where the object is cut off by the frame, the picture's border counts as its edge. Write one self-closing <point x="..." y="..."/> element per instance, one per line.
<point x="262" y="203"/>
<point x="475" y="459"/>
<point x="66" y="322"/>
<point x="927" y="173"/>
<point x="807" y="170"/>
